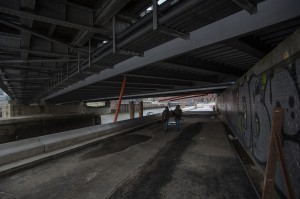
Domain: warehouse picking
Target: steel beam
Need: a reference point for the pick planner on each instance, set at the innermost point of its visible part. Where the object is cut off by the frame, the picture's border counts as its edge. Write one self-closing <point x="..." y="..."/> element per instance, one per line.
<point x="271" y="12"/>
<point x="247" y="5"/>
<point x="154" y="13"/>
<point x="24" y="69"/>
<point x="49" y="20"/>
<point x="114" y="34"/>
<point x="174" y="33"/>
<point x="194" y="70"/>
<point x="127" y="17"/>
<point x="21" y="28"/>
<point x="29" y="67"/>
<point x="130" y="53"/>
<point x="26" y="79"/>
<point x="147" y="76"/>
<point x="38" y="61"/>
<point x="43" y="53"/>
<point x="139" y="83"/>
<point x="212" y="89"/>
<point x="237" y="44"/>
<point x="102" y="16"/>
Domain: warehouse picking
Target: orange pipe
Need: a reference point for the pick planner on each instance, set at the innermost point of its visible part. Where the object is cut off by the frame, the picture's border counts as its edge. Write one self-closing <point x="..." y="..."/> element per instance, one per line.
<point x="120" y="99"/>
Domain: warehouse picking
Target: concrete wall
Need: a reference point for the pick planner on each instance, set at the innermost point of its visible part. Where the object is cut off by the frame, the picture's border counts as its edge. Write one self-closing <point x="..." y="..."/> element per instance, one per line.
<point x="100" y="110"/>
<point x="247" y="108"/>
<point x="13" y="110"/>
<point x="12" y="152"/>
<point x="23" y="128"/>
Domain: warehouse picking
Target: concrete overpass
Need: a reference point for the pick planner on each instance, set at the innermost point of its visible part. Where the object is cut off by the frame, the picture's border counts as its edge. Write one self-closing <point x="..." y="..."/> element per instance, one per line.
<point x="56" y="52"/>
<point x="55" y="55"/>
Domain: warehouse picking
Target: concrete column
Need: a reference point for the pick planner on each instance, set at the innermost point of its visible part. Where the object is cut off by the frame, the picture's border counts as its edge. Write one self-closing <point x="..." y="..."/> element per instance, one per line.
<point x="141" y="109"/>
<point x="183" y="103"/>
<point x="81" y="107"/>
<point x="131" y="109"/>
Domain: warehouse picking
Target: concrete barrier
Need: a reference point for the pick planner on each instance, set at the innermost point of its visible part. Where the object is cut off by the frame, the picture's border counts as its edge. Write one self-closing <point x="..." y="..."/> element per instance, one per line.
<point x="17" y="150"/>
<point x="60" y="140"/>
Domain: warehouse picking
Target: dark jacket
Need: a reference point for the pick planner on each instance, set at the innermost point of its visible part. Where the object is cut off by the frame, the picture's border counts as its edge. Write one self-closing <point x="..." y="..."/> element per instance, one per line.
<point x="177" y="113"/>
<point x="165" y="115"/>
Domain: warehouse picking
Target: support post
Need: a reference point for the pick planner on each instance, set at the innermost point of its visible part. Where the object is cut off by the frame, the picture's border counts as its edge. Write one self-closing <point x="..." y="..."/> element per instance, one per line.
<point x="120" y="99"/>
<point x="131" y="109"/>
<point x="154" y="13"/>
<point x="276" y="154"/>
<point x="78" y="62"/>
<point x="141" y="109"/>
<point x="114" y="34"/>
<point x="90" y="53"/>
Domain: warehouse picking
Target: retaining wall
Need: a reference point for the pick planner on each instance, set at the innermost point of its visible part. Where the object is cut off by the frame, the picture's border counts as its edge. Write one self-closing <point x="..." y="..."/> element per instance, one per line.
<point x="247" y="108"/>
<point x="12" y="152"/>
<point x="13" y="129"/>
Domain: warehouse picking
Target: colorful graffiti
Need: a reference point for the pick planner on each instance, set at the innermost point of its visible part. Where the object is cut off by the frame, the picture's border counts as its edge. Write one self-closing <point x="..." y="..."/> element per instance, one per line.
<point x="247" y="108"/>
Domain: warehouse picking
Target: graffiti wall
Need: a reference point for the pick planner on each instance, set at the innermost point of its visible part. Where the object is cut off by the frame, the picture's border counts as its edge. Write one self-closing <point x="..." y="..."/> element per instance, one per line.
<point x="247" y="109"/>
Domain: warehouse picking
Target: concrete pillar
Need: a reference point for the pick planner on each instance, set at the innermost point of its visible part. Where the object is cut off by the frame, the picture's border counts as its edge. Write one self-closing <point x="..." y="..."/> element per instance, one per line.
<point x="131" y="109"/>
<point x="141" y="109"/>
<point x="81" y="107"/>
<point x="183" y="103"/>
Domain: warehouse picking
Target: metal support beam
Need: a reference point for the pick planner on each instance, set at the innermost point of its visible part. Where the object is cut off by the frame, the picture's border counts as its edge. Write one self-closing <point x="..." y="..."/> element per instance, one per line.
<point x="21" y="28"/>
<point x="90" y="53"/>
<point x="27" y="79"/>
<point x="246" y="5"/>
<point x="271" y="12"/>
<point x="154" y="13"/>
<point x="130" y="53"/>
<point x="194" y="69"/>
<point x="78" y="63"/>
<point x="114" y="34"/>
<point x="212" y="89"/>
<point x="49" y="20"/>
<point x="43" y="53"/>
<point x="120" y="99"/>
<point x="174" y="33"/>
<point x="246" y="48"/>
<point x="24" y="68"/>
<point x="148" y="75"/>
<point x="38" y="61"/>
<point x="127" y="17"/>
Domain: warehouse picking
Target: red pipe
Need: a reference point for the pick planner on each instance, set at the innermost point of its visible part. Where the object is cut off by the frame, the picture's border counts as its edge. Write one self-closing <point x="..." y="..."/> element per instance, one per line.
<point x="120" y="99"/>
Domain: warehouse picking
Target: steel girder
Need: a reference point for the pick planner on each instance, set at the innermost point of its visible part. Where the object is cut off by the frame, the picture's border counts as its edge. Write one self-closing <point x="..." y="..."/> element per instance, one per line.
<point x="270" y="12"/>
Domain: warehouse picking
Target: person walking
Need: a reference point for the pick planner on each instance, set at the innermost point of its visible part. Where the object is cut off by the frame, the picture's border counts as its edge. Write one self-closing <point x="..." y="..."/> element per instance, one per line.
<point x="177" y="116"/>
<point x="165" y="118"/>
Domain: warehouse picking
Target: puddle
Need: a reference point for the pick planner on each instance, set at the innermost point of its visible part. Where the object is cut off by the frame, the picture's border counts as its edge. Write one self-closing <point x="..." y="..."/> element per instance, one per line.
<point x="116" y="145"/>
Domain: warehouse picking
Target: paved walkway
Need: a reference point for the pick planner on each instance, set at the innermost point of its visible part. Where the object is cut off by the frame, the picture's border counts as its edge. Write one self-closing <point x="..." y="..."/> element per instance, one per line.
<point x="197" y="162"/>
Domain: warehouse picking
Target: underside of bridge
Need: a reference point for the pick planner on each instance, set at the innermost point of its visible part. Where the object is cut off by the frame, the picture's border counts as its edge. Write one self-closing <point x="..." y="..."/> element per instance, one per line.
<point x="55" y="53"/>
<point x="66" y="51"/>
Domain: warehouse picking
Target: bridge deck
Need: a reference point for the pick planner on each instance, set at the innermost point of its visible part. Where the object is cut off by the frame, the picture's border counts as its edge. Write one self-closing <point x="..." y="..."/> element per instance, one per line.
<point x="197" y="162"/>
